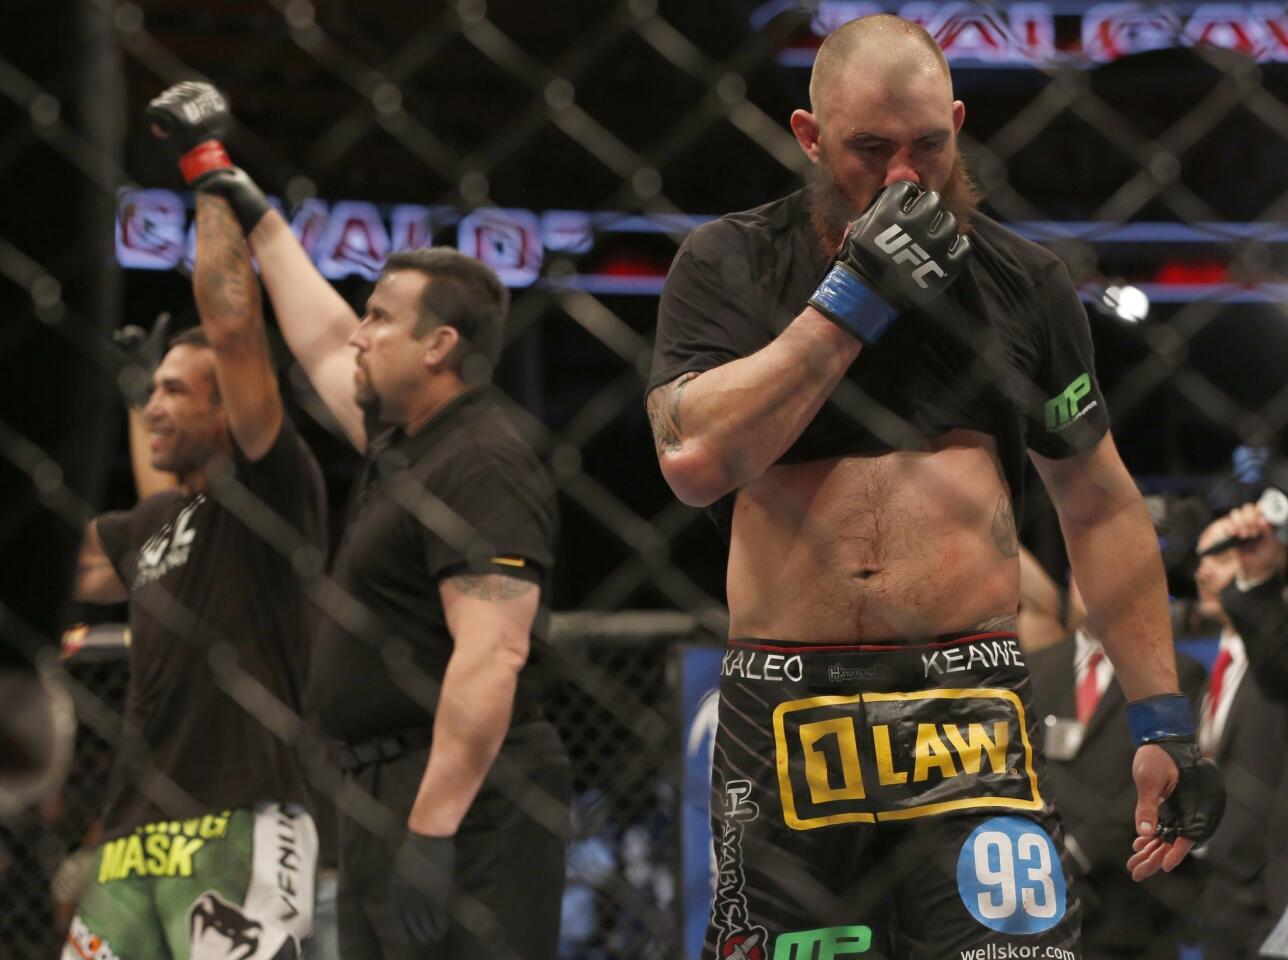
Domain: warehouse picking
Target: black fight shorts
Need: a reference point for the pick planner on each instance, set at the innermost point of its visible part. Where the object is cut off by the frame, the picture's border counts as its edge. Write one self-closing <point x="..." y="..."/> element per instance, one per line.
<point x="884" y="800"/>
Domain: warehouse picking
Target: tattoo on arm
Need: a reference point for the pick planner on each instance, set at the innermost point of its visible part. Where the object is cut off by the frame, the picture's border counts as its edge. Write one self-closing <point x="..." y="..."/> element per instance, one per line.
<point x="1005" y="537"/>
<point x="664" y="414"/>
<point x="492" y="586"/>
<point x="224" y="281"/>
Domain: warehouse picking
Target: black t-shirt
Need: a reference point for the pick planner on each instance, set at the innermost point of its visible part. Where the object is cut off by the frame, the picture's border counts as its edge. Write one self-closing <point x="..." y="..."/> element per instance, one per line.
<point x="464" y="494"/>
<point x="1006" y="351"/>
<point x="213" y="596"/>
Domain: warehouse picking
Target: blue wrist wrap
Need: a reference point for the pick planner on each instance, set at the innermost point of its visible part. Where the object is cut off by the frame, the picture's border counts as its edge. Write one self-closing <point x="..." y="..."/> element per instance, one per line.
<point x="852" y="304"/>
<point x="1165" y="717"/>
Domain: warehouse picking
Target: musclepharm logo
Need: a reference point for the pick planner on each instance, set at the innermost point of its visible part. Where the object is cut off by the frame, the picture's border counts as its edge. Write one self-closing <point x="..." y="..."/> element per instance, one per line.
<point x="827" y="943"/>
<point x="902" y="250"/>
<point x="1062" y="410"/>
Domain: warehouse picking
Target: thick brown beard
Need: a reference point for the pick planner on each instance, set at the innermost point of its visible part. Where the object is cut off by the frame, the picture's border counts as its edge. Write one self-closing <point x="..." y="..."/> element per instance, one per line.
<point x="831" y="209"/>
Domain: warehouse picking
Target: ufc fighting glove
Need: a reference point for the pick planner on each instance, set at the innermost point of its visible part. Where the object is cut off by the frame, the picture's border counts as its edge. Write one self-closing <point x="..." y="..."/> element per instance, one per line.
<point x="1196" y="804"/>
<point x="421" y="889"/>
<point x="904" y="251"/>
<point x="194" y="116"/>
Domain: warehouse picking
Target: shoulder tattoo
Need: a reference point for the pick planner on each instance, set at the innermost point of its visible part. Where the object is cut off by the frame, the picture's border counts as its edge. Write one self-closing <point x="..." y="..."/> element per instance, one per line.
<point x="492" y="586"/>
<point x="664" y="414"/>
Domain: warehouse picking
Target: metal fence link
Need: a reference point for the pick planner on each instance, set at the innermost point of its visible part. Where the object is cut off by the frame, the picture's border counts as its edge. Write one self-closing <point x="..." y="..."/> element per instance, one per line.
<point x="573" y="146"/>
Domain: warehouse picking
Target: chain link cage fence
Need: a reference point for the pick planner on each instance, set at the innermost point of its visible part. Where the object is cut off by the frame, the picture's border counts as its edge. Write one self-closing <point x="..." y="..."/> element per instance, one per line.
<point x="572" y="147"/>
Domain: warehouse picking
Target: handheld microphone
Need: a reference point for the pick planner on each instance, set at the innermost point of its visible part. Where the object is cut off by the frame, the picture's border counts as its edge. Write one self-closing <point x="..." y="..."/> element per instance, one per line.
<point x="1273" y="505"/>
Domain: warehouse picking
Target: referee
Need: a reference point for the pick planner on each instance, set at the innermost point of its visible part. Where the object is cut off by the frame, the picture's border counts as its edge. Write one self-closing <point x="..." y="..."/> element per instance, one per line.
<point x="431" y="681"/>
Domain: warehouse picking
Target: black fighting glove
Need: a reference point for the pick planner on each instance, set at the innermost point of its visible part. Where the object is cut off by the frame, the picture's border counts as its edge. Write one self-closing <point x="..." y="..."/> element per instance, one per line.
<point x="1197" y="802"/>
<point x="194" y="116"/>
<point x="140" y="354"/>
<point x="421" y="889"/>
<point x="903" y="251"/>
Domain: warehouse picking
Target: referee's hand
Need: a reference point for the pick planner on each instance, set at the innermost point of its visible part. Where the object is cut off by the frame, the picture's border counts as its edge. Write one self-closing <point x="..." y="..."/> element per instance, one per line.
<point x="420" y="891"/>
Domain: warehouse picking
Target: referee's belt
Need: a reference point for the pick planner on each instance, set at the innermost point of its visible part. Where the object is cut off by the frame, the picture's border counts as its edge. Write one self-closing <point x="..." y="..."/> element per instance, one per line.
<point x="354" y="756"/>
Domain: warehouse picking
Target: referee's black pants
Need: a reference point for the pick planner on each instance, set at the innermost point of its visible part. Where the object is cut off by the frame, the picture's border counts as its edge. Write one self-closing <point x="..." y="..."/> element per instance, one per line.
<point x="509" y="858"/>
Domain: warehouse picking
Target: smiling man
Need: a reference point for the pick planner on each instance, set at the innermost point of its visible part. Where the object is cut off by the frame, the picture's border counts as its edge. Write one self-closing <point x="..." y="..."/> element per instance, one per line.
<point x="207" y="842"/>
<point x="432" y="680"/>
<point x="852" y="376"/>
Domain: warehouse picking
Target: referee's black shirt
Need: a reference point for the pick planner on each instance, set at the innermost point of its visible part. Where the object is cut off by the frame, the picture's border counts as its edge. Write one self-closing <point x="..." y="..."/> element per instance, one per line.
<point x="462" y="495"/>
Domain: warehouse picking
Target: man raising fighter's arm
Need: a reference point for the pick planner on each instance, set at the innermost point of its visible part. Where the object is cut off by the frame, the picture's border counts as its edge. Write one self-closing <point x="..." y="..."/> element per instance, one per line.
<point x="314" y="319"/>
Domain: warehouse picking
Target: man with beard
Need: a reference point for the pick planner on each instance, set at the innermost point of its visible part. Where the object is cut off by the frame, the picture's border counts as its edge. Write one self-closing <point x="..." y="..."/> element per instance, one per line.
<point x="208" y="848"/>
<point x="876" y="784"/>
<point x="432" y="677"/>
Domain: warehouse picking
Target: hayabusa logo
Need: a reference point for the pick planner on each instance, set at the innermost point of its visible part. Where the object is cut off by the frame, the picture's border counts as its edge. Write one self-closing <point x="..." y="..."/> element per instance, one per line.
<point x="737" y="938"/>
<point x="902" y="250"/>
<point x="218" y="930"/>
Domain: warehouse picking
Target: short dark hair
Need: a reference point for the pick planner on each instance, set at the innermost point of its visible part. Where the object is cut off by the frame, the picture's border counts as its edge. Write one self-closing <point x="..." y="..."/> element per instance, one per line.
<point x="196" y="337"/>
<point x="464" y="294"/>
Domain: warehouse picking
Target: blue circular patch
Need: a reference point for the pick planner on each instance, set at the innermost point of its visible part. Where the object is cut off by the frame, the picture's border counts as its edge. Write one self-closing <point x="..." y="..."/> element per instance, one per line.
<point x="1009" y="876"/>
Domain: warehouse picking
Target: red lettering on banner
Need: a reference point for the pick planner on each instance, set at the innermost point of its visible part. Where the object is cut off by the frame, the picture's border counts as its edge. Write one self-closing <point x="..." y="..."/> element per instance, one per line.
<point x="1113" y="30"/>
<point x="149" y="229"/>
<point x="964" y="31"/>
<point x="409" y="227"/>
<point x="1214" y="25"/>
<point x="355" y="241"/>
<point x="308" y="225"/>
<point x="1275" y="20"/>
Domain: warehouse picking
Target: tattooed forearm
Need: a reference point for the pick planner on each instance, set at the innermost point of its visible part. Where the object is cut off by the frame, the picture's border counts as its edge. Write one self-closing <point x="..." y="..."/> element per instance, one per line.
<point x="1005" y="537"/>
<point x="664" y="414"/>
<point x="223" y="280"/>
<point x="492" y="586"/>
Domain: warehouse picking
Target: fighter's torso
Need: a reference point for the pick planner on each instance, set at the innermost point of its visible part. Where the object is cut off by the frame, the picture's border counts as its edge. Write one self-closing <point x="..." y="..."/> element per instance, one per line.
<point x="878" y="547"/>
<point x="891" y="514"/>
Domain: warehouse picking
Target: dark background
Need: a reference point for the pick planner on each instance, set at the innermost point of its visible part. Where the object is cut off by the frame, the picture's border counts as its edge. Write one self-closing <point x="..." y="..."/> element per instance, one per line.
<point x="1169" y="136"/>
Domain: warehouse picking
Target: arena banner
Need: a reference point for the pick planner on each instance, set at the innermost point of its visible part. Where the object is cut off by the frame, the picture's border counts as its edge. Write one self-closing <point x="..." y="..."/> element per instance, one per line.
<point x="1055" y="34"/>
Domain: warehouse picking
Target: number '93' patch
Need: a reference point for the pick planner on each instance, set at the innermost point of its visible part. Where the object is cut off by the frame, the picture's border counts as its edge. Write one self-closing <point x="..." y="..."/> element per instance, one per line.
<point x="1009" y="876"/>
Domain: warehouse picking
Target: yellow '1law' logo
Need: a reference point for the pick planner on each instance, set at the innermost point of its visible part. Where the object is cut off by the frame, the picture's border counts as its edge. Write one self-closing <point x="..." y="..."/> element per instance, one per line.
<point x="872" y="757"/>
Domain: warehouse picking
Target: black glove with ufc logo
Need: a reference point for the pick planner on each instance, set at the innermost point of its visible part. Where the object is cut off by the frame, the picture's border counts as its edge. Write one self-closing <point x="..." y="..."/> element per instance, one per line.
<point x="902" y="252"/>
<point x="193" y="117"/>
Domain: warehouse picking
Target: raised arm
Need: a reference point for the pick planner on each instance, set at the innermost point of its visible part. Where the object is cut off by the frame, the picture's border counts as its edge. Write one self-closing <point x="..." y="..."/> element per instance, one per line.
<point x="314" y="319"/>
<point x="719" y="429"/>
<point x="228" y="302"/>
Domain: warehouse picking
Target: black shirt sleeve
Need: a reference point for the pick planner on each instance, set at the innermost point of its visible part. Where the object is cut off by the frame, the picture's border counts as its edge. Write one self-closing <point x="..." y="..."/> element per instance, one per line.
<point x="123" y="532"/>
<point x="288" y="479"/>
<point x="706" y="314"/>
<point x="501" y="520"/>
<point x="1066" y="410"/>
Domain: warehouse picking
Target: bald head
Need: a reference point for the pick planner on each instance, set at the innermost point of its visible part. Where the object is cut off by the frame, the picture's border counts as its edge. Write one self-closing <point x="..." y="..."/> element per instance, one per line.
<point x="882" y="43"/>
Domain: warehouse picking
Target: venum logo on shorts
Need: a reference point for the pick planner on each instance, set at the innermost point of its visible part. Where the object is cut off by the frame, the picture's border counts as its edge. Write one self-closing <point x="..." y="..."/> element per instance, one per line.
<point x="86" y="944"/>
<point x="902" y="250"/>
<point x="219" y="930"/>
<point x="737" y="938"/>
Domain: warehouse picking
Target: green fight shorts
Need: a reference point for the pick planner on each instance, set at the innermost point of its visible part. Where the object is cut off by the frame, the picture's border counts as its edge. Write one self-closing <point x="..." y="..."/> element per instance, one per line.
<point x="233" y="885"/>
